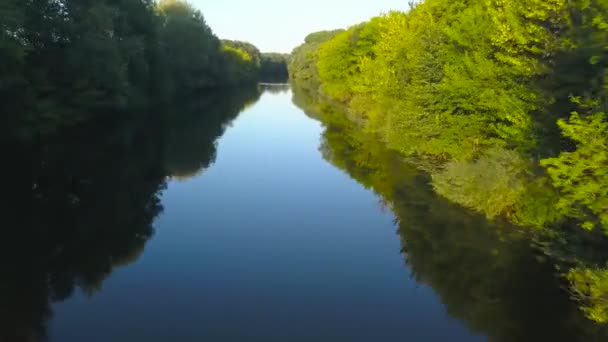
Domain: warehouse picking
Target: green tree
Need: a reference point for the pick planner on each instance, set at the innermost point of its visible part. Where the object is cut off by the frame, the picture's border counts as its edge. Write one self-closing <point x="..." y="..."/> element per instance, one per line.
<point x="582" y="175"/>
<point x="273" y="67"/>
<point x="303" y="60"/>
<point x="190" y="48"/>
<point x="241" y="62"/>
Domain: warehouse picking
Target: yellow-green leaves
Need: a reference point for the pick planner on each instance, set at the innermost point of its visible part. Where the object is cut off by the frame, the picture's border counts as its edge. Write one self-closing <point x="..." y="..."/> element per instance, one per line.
<point x="524" y="30"/>
<point x="590" y="287"/>
<point x="582" y="175"/>
<point x="493" y="184"/>
<point x="239" y="53"/>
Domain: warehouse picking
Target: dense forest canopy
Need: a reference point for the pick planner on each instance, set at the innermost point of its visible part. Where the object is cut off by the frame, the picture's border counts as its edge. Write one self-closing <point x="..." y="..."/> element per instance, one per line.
<point x="501" y="102"/>
<point x="67" y="61"/>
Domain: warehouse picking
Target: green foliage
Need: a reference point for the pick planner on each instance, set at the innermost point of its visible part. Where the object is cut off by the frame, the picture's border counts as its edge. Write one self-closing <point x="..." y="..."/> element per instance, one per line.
<point x="303" y="60"/>
<point x="342" y="57"/>
<point x="492" y="184"/>
<point x="337" y="65"/>
<point x="251" y="50"/>
<point x="190" y="49"/>
<point x="536" y="207"/>
<point x="66" y="62"/>
<point x="239" y="54"/>
<point x="590" y="286"/>
<point x="451" y="82"/>
<point x="443" y="87"/>
<point x="273" y="68"/>
<point x="245" y="64"/>
<point x="241" y="65"/>
<point x="582" y="175"/>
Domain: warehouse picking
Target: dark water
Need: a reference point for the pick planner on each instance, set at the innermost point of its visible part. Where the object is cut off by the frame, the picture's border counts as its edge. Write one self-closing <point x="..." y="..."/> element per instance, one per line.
<point x="242" y="217"/>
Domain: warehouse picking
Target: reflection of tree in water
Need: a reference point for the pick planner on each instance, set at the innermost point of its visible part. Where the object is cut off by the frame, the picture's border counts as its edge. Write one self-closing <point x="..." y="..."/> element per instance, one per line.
<point x="306" y="100"/>
<point x="195" y="125"/>
<point x="486" y="274"/>
<point x="81" y="205"/>
<point x="84" y="203"/>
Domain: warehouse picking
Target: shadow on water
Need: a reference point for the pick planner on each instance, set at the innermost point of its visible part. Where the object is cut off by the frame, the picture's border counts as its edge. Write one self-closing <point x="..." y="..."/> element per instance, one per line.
<point x="486" y="274"/>
<point x="83" y="202"/>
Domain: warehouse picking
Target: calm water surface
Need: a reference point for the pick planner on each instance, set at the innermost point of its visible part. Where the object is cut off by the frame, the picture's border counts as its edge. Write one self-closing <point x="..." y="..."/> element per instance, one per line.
<point x="269" y="243"/>
<point x="264" y="217"/>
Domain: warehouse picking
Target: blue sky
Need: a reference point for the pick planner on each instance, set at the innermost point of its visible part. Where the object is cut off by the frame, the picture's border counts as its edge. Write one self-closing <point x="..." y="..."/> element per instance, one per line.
<point x="281" y="25"/>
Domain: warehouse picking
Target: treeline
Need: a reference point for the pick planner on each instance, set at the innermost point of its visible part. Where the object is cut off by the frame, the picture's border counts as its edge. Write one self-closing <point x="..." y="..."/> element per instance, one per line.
<point x="502" y="103"/>
<point x="259" y="66"/>
<point x="304" y="58"/>
<point x="273" y="67"/>
<point x="66" y="61"/>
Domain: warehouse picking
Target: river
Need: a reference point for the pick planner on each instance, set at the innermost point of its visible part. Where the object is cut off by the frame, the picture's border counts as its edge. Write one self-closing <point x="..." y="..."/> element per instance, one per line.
<point x="272" y="222"/>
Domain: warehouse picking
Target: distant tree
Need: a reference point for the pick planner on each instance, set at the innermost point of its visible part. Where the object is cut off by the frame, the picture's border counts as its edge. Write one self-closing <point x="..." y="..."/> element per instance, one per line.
<point x="253" y="52"/>
<point x="241" y="62"/>
<point x="303" y="60"/>
<point x="274" y="67"/>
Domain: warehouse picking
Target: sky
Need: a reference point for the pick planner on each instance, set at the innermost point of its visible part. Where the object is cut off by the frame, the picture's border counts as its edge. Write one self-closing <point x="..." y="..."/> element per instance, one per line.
<point x="281" y="25"/>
